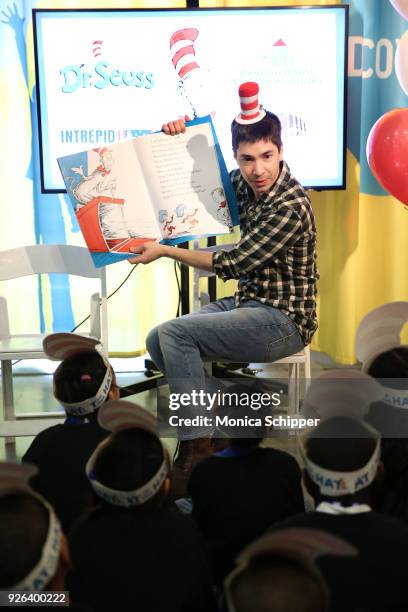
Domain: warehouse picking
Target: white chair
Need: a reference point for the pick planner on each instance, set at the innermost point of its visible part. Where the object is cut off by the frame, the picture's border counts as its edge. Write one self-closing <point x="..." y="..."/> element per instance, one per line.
<point x="41" y="259"/>
<point x="294" y="362"/>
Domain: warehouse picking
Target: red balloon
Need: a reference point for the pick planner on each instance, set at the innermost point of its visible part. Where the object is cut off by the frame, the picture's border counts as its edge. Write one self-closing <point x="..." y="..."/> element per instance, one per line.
<point x="387" y="152"/>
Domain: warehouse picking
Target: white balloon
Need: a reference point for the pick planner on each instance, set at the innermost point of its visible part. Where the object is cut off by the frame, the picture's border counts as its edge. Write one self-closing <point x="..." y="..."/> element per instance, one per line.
<point x="401" y="62"/>
<point x="401" y="6"/>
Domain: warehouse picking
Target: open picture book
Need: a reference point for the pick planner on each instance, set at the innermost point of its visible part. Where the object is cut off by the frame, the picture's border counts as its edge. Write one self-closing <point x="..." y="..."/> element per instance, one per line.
<point x="155" y="187"/>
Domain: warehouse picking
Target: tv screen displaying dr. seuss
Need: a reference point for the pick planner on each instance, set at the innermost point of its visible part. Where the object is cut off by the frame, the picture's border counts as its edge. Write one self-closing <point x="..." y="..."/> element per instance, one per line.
<point x="130" y="71"/>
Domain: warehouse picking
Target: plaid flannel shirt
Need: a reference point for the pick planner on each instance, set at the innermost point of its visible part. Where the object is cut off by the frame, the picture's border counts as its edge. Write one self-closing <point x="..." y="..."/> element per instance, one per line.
<point x="275" y="260"/>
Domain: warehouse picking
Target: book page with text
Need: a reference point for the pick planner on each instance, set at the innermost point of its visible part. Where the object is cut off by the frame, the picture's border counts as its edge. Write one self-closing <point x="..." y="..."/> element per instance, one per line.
<point x="138" y="213"/>
<point x="184" y="179"/>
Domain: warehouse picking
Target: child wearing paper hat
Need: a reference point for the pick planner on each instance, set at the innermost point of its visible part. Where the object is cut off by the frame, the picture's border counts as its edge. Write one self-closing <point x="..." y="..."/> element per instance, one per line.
<point x="238" y="492"/>
<point x="278" y="571"/>
<point x="341" y="457"/>
<point x="134" y="550"/>
<point x="34" y="551"/>
<point x="379" y="348"/>
<point x="83" y="381"/>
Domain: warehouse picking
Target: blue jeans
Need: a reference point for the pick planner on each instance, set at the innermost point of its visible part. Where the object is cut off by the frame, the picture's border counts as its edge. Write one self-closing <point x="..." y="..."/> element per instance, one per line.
<point x="253" y="332"/>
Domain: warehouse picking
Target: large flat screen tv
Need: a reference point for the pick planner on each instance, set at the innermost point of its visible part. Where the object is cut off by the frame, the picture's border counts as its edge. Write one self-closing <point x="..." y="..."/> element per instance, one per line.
<point x="107" y="75"/>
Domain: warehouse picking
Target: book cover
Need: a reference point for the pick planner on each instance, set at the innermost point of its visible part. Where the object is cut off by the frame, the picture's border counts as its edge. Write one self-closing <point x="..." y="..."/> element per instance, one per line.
<point x="155" y="187"/>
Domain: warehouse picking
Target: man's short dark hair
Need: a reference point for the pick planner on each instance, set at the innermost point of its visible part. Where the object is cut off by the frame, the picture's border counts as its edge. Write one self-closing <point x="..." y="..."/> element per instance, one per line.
<point x="268" y="129"/>
<point x="24" y="523"/>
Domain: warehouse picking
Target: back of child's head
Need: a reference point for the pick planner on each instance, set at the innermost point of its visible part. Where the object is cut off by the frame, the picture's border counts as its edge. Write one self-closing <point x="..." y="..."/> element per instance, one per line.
<point x="384" y="357"/>
<point x="389" y="415"/>
<point x="79" y="377"/>
<point x="24" y="525"/>
<point x="34" y="553"/>
<point x="340" y="443"/>
<point x="391" y="364"/>
<point x="84" y="379"/>
<point x="130" y="459"/>
<point x="129" y="469"/>
<point x="277" y="585"/>
<point x="278" y="572"/>
<point x="340" y="446"/>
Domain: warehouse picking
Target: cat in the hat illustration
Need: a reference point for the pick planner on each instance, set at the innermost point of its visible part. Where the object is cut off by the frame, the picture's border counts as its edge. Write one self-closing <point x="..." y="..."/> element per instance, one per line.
<point x="194" y="81"/>
<point x="196" y="84"/>
<point x="98" y="182"/>
<point x="100" y="213"/>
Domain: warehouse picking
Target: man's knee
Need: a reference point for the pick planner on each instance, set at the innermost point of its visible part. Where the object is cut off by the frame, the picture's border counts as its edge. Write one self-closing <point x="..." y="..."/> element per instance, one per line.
<point x="152" y="340"/>
<point x="166" y="328"/>
<point x="176" y="331"/>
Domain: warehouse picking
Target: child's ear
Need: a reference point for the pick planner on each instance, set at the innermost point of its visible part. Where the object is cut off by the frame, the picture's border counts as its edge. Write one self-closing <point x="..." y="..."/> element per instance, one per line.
<point x="166" y="486"/>
<point x="64" y="551"/>
<point x="380" y="471"/>
<point x="114" y="393"/>
<point x="64" y="564"/>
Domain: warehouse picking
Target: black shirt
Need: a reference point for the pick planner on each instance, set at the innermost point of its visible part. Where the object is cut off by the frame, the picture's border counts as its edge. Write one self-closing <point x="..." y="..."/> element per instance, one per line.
<point x="152" y="561"/>
<point x="236" y="498"/>
<point x="377" y="578"/>
<point x="61" y="453"/>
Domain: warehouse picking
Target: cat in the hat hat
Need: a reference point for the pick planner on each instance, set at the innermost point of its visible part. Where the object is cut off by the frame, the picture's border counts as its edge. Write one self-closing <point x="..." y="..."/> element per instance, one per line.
<point x="196" y="84"/>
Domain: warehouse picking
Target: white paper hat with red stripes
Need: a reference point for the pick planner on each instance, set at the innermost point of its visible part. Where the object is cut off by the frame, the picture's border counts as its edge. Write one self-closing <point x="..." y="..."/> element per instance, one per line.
<point x="182" y="51"/>
<point x="251" y="111"/>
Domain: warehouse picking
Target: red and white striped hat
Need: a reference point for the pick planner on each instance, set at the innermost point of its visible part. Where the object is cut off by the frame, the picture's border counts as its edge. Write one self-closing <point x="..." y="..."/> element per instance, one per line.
<point x="251" y="112"/>
<point x="182" y="51"/>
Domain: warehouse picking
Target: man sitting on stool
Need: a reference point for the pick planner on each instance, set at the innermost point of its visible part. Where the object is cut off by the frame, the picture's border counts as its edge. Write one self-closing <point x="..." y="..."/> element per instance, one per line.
<point x="272" y="314"/>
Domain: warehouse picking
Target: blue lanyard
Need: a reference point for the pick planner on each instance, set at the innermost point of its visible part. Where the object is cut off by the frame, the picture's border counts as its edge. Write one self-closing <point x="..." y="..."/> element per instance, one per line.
<point x="236" y="452"/>
<point x="75" y="420"/>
